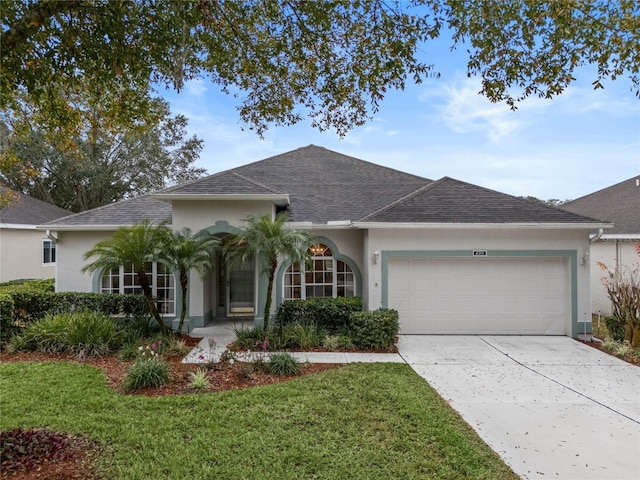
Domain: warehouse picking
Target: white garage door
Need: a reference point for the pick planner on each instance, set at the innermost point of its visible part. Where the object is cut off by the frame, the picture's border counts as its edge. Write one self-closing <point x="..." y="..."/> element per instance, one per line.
<point x="519" y="296"/>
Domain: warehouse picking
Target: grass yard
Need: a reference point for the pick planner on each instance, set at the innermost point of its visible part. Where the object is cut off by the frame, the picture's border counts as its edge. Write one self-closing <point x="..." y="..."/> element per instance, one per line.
<point x="376" y="421"/>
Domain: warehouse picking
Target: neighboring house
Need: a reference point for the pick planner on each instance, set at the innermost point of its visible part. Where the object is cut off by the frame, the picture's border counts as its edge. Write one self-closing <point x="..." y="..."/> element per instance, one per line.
<point x="24" y="251"/>
<point x="615" y="248"/>
<point x="451" y="257"/>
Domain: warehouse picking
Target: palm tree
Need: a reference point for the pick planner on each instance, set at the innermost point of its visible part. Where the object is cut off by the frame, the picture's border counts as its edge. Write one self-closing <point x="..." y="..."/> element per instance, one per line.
<point x="268" y="240"/>
<point x="183" y="251"/>
<point x="137" y="246"/>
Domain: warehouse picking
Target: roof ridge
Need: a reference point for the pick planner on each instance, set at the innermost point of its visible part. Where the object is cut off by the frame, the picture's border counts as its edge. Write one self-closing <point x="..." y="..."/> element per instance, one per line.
<point x="402" y="199"/>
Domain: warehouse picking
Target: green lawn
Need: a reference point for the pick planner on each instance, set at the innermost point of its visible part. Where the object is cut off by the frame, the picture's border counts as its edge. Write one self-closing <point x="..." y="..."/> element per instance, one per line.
<point x="376" y="421"/>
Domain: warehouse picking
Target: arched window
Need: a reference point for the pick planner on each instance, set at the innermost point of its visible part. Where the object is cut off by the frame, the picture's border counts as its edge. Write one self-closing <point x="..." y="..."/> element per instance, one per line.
<point x="326" y="277"/>
<point x="125" y="280"/>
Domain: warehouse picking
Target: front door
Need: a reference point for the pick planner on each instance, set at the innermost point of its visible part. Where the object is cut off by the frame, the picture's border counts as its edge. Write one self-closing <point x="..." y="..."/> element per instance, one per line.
<point x="240" y="289"/>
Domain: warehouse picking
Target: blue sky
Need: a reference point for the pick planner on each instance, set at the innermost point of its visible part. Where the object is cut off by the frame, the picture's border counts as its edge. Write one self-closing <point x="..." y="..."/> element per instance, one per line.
<point x="564" y="148"/>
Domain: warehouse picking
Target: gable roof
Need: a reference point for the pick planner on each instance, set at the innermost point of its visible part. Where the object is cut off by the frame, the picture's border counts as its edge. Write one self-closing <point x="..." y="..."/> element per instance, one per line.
<point x="453" y="201"/>
<point x="26" y="210"/>
<point x="323" y="185"/>
<point x="319" y="186"/>
<point x="125" y="212"/>
<point x="619" y="204"/>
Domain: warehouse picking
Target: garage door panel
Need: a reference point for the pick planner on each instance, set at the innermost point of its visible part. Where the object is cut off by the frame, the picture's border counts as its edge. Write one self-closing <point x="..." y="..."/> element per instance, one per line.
<point x="484" y="296"/>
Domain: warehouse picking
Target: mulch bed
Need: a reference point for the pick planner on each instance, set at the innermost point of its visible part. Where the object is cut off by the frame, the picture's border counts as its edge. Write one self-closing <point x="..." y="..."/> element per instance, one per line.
<point x="630" y="358"/>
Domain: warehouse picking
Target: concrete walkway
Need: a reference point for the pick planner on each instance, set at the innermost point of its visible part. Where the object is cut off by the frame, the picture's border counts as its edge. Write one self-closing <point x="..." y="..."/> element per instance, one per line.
<point x="551" y="407"/>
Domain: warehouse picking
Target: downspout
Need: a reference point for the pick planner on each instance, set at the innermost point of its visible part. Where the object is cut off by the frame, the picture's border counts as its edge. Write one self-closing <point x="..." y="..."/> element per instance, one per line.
<point x="597" y="236"/>
<point x="51" y="237"/>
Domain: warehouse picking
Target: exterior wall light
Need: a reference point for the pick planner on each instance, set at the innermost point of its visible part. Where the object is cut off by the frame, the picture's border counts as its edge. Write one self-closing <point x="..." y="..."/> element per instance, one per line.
<point x="376" y="256"/>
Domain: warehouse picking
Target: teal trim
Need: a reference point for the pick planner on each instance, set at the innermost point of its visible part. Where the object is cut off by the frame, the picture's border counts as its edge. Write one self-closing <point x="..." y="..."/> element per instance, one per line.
<point x="572" y="255"/>
<point x="336" y="254"/>
<point x="221" y="226"/>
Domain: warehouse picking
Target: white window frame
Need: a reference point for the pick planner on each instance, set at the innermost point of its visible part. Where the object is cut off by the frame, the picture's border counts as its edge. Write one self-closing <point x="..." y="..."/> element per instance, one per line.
<point x="349" y="278"/>
<point x="134" y="288"/>
<point x="50" y="247"/>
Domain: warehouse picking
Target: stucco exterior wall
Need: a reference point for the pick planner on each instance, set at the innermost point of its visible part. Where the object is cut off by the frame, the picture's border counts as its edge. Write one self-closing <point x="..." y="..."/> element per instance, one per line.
<point x="71" y="247"/>
<point x="614" y="254"/>
<point x="21" y="254"/>
<point x="479" y="239"/>
<point x="203" y="214"/>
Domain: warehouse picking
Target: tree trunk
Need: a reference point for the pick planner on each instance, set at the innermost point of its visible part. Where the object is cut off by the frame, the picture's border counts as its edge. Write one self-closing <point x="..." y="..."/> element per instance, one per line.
<point x="267" y="303"/>
<point x="148" y="293"/>
<point x="183" y="311"/>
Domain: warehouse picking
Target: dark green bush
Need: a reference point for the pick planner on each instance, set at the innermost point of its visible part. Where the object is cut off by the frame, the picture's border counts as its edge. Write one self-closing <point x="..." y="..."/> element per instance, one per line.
<point x="6" y="314"/>
<point x="329" y="313"/>
<point x="616" y="328"/>
<point x="374" y="330"/>
<point x="31" y="304"/>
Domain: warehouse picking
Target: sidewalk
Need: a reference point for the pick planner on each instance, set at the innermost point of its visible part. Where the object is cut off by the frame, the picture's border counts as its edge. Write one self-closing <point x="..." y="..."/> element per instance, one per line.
<point x="224" y="333"/>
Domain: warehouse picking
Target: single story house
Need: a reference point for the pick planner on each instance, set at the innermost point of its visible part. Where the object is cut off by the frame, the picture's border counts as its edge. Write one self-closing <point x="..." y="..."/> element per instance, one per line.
<point x="26" y="253"/>
<point x="615" y="247"/>
<point x="451" y="257"/>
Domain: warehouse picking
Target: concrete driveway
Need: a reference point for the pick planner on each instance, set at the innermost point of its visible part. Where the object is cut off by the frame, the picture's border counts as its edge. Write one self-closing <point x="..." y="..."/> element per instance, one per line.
<point x="551" y="407"/>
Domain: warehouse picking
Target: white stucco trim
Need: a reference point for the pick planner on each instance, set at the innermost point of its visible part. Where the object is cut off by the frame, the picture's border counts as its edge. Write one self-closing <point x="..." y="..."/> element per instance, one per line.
<point x="621" y="236"/>
<point x="481" y="226"/>
<point x="17" y="226"/>
<point x="277" y="198"/>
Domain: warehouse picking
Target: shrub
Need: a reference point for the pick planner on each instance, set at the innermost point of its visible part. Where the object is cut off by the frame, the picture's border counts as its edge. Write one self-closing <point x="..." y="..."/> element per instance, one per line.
<point x="283" y="364"/>
<point x="79" y="333"/>
<point x="24" y="449"/>
<point x="246" y="338"/>
<point x="146" y="372"/>
<point x="329" y="313"/>
<point x="198" y="379"/>
<point x="6" y="315"/>
<point x="337" y="342"/>
<point x="623" y="289"/>
<point x="31" y="303"/>
<point x="299" y="335"/>
<point x="45" y="285"/>
<point x="376" y="330"/>
<point x="616" y="328"/>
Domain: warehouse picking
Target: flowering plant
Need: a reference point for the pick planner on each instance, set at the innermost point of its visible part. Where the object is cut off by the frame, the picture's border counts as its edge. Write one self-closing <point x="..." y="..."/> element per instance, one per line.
<point x="154" y="349"/>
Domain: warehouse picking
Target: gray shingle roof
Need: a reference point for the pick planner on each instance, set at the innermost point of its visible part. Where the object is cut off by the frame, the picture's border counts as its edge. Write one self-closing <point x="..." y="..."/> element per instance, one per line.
<point x="325" y="185"/>
<point x="26" y="210"/>
<point x="126" y="212"/>
<point x="328" y="186"/>
<point x="228" y="182"/>
<point x="619" y="204"/>
<point x="452" y="201"/>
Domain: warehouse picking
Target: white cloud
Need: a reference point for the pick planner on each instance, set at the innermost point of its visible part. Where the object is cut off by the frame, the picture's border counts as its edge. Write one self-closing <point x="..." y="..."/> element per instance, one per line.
<point x="195" y="87"/>
<point x="464" y="110"/>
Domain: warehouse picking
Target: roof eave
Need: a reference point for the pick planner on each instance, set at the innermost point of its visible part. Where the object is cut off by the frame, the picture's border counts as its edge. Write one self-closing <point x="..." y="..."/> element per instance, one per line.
<point x="84" y="228"/>
<point x="280" y="199"/>
<point x="497" y="226"/>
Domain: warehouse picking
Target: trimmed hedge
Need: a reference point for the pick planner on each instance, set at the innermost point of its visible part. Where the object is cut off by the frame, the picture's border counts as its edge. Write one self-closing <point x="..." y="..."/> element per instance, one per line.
<point x="329" y="313"/>
<point x="6" y="313"/>
<point x="31" y="304"/>
<point x="374" y="330"/>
